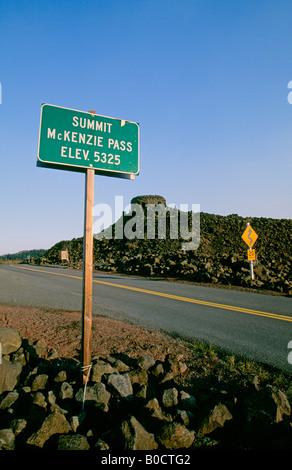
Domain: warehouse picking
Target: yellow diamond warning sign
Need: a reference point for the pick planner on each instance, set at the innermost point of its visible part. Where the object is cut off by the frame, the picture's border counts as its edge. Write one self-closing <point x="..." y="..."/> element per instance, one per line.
<point x="249" y="236"/>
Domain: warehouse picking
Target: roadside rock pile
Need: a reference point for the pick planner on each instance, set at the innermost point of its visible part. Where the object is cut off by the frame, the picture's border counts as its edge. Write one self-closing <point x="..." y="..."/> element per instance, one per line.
<point x="127" y="404"/>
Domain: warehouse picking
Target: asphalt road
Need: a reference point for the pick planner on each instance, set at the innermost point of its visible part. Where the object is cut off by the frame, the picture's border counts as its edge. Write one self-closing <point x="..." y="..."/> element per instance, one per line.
<point x="256" y="326"/>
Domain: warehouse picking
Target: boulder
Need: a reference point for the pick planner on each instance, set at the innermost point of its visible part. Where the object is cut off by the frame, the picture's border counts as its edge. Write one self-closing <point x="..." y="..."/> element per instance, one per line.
<point x="7" y="401"/>
<point x="40" y="400"/>
<point x="7" y="439"/>
<point x="101" y="445"/>
<point x="55" y="423"/>
<point x="175" y="436"/>
<point x="216" y="418"/>
<point x="51" y="397"/>
<point x="157" y="370"/>
<point x="184" y="416"/>
<point x="73" y="442"/>
<point x="161" y="415"/>
<point x="282" y="405"/>
<point x="120" y="385"/>
<point x="18" y="356"/>
<point x="17" y="425"/>
<point x="120" y="366"/>
<point x="102" y="395"/>
<point x="170" y="397"/>
<point x="76" y="420"/>
<point x="88" y="396"/>
<point x="96" y="393"/>
<point x="141" y="392"/>
<point x="9" y="375"/>
<point x="40" y="347"/>
<point x="99" y="369"/>
<point x="145" y="361"/>
<point x="61" y="376"/>
<point x="136" y="437"/>
<point x="138" y="376"/>
<point x="153" y="404"/>
<point x="66" y="391"/>
<point x="39" y="382"/>
<point x="10" y="340"/>
<point x="175" y="364"/>
<point x="270" y="401"/>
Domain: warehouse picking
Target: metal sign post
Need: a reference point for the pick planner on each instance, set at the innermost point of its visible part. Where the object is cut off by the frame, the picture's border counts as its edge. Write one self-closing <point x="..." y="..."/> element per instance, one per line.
<point x="250" y="237"/>
<point x="251" y="268"/>
<point x="251" y="257"/>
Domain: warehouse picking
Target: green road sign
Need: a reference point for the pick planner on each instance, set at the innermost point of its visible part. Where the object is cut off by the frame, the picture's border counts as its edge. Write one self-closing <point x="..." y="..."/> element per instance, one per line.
<point x="77" y="140"/>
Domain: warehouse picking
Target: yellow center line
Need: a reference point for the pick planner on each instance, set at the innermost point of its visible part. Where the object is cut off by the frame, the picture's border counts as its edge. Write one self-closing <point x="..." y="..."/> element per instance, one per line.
<point x="170" y="296"/>
<point x="46" y="272"/>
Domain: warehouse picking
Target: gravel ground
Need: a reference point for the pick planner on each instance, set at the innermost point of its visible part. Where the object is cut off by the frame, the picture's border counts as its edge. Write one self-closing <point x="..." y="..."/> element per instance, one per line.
<point x="206" y="367"/>
<point x="62" y="332"/>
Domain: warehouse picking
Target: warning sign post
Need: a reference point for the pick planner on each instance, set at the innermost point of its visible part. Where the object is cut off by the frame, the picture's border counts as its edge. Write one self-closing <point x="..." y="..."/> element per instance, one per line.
<point x="250" y="237"/>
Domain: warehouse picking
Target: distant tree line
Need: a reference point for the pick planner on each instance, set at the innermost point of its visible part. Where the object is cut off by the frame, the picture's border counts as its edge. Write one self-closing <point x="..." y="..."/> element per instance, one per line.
<point x="22" y="255"/>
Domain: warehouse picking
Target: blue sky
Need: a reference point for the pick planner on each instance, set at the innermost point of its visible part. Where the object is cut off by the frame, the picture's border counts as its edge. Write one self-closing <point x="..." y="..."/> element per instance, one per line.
<point x="206" y="80"/>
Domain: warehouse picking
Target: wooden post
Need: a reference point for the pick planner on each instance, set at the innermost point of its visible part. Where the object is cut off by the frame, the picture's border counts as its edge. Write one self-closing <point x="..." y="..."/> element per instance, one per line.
<point x="87" y="272"/>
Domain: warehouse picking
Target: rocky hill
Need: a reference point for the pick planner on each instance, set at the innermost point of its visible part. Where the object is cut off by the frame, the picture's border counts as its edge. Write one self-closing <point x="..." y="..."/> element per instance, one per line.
<point x="221" y="257"/>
